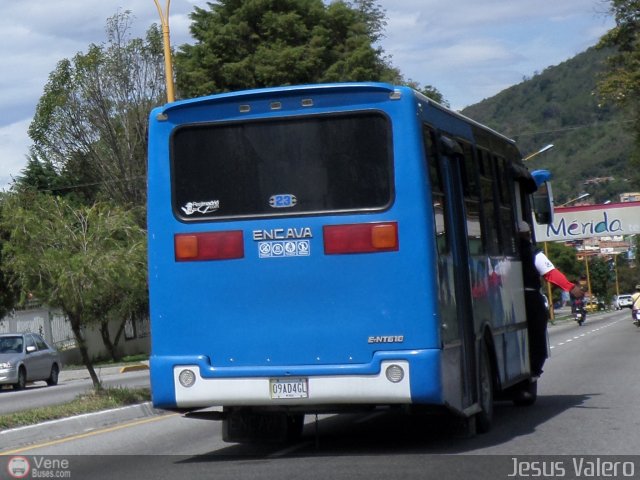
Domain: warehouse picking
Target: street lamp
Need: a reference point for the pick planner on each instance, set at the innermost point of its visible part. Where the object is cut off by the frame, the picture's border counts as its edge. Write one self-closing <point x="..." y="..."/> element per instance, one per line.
<point x="168" y="68"/>
<point x="579" y="197"/>
<point x="542" y="150"/>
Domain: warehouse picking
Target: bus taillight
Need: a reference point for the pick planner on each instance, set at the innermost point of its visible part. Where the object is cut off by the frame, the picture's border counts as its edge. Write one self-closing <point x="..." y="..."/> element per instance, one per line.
<point x="360" y="238"/>
<point x="209" y="246"/>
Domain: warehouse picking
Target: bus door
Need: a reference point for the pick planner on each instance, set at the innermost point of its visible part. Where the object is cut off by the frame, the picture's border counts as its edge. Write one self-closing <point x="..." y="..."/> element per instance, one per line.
<point x="450" y="158"/>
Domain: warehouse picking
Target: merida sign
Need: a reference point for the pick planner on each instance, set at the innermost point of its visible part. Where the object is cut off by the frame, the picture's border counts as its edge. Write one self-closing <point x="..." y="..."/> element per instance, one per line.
<point x="573" y="223"/>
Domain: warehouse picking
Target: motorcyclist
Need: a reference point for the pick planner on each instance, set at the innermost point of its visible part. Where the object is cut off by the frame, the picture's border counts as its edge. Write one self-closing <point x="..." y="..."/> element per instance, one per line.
<point x="579" y="305"/>
<point x="635" y="305"/>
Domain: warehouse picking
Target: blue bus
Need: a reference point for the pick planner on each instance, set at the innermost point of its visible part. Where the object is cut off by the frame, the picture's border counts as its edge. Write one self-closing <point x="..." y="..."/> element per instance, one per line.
<point x="325" y="248"/>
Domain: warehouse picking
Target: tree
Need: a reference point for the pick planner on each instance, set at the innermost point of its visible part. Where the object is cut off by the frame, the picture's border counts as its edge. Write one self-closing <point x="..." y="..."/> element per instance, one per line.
<point x="259" y="43"/>
<point x="9" y="291"/>
<point x="628" y="273"/>
<point x="601" y="277"/>
<point x="37" y="175"/>
<point x="74" y="181"/>
<point x="89" y="261"/>
<point x="91" y="122"/>
<point x="621" y="82"/>
<point x="431" y="92"/>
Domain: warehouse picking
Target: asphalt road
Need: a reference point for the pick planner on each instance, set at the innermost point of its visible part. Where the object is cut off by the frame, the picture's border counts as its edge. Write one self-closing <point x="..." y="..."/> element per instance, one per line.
<point x="38" y="394"/>
<point x="587" y="405"/>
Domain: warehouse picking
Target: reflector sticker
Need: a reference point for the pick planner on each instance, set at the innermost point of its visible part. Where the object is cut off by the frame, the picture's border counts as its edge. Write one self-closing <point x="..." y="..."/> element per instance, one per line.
<point x="289" y="248"/>
<point x="201" y="207"/>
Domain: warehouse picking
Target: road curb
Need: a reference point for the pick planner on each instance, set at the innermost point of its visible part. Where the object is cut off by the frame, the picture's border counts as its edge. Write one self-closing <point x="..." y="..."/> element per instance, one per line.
<point x="64" y="427"/>
<point x="134" y="368"/>
<point x="104" y="371"/>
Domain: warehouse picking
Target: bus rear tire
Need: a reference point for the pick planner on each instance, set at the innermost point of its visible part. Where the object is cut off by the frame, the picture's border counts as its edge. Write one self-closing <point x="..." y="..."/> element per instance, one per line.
<point x="295" y="424"/>
<point x="484" y="418"/>
<point x="242" y="425"/>
<point x="527" y="394"/>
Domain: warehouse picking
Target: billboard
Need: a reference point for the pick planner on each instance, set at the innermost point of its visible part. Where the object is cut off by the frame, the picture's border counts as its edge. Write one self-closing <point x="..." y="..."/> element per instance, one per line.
<point x="589" y="221"/>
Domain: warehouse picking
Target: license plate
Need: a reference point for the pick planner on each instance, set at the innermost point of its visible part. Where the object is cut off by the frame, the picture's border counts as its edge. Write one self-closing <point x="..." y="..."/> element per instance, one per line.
<point x="289" y="387"/>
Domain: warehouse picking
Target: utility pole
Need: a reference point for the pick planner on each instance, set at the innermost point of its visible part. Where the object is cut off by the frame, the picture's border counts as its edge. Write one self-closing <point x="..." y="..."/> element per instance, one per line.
<point x="168" y="65"/>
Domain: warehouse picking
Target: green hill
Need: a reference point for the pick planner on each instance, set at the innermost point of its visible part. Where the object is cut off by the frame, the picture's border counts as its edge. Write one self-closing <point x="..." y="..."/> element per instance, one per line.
<point x="560" y="106"/>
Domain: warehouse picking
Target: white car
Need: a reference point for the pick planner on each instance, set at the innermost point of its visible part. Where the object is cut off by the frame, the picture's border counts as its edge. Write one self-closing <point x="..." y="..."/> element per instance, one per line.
<point x="622" y="301"/>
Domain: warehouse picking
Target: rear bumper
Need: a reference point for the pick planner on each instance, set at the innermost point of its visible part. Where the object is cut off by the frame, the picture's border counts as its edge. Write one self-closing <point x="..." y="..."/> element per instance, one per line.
<point x="322" y="390"/>
<point x="364" y="384"/>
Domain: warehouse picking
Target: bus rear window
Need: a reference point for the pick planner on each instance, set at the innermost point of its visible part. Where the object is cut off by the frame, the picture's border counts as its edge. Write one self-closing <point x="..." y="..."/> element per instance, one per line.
<point x="286" y="166"/>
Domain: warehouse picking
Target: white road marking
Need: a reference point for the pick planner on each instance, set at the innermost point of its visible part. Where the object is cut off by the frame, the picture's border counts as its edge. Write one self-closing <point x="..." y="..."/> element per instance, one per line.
<point x="578" y="337"/>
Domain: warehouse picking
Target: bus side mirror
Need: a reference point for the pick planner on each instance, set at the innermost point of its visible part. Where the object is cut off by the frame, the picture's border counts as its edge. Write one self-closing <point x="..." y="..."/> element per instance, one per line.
<point x="543" y="204"/>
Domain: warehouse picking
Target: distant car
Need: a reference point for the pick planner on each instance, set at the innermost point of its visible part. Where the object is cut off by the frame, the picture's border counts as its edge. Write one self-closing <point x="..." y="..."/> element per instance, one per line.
<point x="26" y="357"/>
<point x="622" y="301"/>
<point x="594" y="305"/>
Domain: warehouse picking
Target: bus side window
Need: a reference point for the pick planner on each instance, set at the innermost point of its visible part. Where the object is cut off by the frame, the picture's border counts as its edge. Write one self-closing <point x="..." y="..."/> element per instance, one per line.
<point x="437" y="192"/>
<point x="490" y="222"/>
<point x="506" y="209"/>
<point x="471" y="192"/>
<point x="524" y="205"/>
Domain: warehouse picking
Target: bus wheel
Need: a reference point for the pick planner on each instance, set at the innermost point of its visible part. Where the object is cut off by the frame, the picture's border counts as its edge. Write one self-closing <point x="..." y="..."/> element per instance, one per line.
<point x="295" y="424"/>
<point x="246" y="426"/>
<point x="485" y="396"/>
<point x="526" y="394"/>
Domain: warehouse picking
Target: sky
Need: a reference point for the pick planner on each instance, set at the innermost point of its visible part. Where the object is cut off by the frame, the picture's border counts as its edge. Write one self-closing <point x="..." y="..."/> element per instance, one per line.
<point x="468" y="49"/>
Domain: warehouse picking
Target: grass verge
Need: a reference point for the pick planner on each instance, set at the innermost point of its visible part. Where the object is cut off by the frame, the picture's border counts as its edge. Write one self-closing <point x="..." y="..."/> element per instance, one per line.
<point x="94" y="401"/>
<point x="110" y="363"/>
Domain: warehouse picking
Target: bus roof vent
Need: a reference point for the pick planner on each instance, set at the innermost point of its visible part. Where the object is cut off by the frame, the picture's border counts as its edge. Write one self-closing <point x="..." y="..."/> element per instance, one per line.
<point x="395" y="95"/>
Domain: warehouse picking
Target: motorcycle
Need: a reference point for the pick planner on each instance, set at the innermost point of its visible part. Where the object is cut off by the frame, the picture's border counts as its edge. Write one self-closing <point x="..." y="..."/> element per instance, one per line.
<point x="580" y="316"/>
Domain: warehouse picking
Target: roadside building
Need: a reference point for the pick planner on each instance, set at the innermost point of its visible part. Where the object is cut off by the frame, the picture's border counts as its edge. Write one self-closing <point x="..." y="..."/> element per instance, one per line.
<point x="56" y="329"/>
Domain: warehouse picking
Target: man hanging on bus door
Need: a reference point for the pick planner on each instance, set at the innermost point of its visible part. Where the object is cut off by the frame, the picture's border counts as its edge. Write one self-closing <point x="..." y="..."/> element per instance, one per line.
<point x="535" y="264"/>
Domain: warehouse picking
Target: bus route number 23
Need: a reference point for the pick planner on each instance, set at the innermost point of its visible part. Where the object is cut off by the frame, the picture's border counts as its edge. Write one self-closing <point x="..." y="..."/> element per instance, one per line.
<point x="283" y="200"/>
